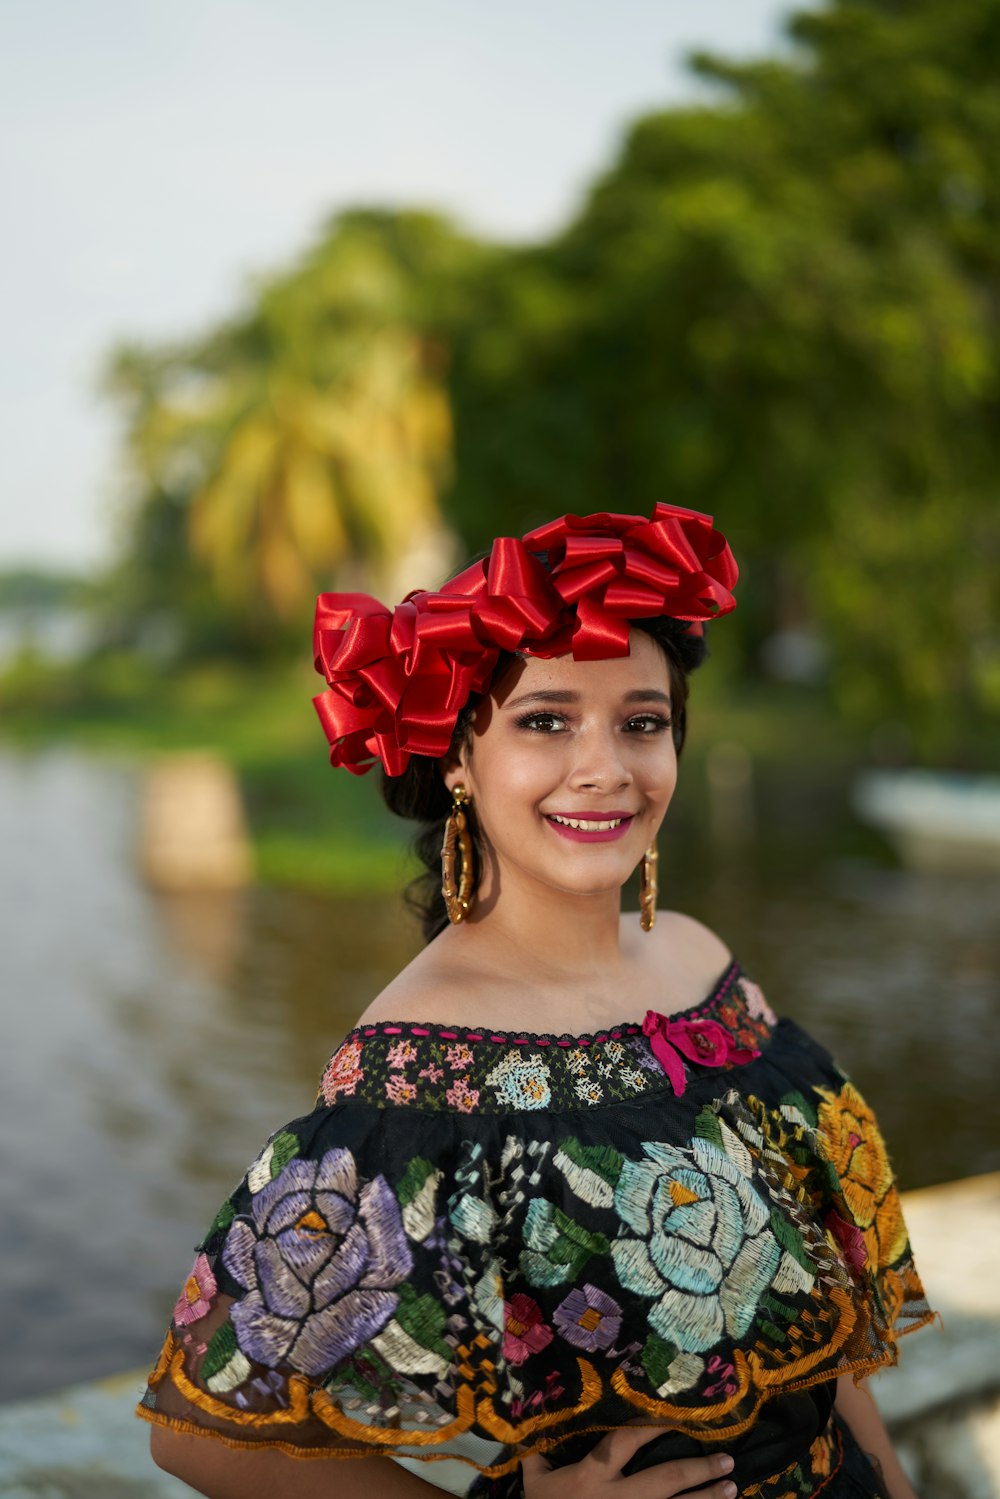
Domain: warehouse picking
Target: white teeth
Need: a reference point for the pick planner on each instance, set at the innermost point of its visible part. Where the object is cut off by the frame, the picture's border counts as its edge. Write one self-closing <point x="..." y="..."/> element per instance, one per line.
<point x="588" y="827"/>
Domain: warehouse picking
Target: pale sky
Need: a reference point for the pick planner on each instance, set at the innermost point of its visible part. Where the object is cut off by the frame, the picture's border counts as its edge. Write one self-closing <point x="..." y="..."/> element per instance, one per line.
<point x="154" y="154"/>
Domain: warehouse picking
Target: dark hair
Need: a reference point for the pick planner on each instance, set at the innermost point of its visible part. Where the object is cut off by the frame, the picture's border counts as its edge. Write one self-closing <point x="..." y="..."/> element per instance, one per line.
<point x="420" y="792"/>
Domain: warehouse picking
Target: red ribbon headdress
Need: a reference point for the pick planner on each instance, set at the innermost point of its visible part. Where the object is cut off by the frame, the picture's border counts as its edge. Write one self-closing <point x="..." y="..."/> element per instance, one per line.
<point x="398" y="678"/>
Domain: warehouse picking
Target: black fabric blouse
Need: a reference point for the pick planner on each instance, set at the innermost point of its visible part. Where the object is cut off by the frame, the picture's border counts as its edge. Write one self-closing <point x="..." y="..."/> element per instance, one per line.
<point x="482" y="1244"/>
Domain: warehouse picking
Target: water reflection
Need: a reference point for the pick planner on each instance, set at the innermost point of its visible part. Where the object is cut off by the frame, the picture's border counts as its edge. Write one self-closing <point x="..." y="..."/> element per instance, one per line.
<point x="153" y="1043"/>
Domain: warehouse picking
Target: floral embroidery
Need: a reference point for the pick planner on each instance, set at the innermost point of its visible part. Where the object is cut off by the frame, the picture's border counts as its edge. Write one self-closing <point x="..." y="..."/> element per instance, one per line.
<point x="276" y="1154"/>
<point x="318" y="1259"/>
<point x="588" y="1319"/>
<point x="557" y="1247"/>
<point x="756" y="1003"/>
<point x="850" y="1240"/>
<point x="521" y="1082"/>
<point x="518" y="1071"/>
<point x="590" y="1262"/>
<point x="344" y="1072"/>
<point x="198" y="1294"/>
<point x="854" y="1145"/>
<point x="461" y="1096"/>
<point x="705" y="1250"/>
<point x="399" y="1090"/>
<point x="525" y="1331"/>
<point x="724" y="1382"/>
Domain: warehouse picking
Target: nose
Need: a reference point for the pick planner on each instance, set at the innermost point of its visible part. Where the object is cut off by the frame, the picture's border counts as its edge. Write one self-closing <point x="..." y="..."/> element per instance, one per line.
<point x="599" y="764"/>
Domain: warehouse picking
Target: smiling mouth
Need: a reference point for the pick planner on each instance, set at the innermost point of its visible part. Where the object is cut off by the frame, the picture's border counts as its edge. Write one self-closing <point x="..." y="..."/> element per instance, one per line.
<point x="589" y="824"/>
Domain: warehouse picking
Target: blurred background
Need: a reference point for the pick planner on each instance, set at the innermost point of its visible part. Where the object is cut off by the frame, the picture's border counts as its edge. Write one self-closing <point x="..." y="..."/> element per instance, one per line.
<point x="325" y="296"/>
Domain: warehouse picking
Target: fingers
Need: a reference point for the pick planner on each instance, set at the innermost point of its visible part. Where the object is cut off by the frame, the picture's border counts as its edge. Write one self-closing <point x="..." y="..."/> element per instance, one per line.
<point x="616" y="1447"/>
<point x="533" y="1467"/>
<point x="677" y="1477"/>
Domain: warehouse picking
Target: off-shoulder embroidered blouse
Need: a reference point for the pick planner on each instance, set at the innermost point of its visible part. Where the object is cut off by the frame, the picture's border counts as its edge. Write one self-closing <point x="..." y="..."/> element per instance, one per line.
<point x="480" y="1244"/>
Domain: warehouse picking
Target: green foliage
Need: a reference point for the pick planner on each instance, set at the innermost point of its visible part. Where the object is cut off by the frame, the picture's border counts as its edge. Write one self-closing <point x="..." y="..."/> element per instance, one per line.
<point x="310" y="433"/>
<point x="39" y="588"/>
<point x="781" y="308"/>
<point x="778" y="306"/>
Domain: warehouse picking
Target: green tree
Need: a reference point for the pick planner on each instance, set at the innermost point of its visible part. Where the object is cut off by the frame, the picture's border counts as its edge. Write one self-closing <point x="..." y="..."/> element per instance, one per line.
<point x="310" y="435"/>
<point x="781" y="307"/>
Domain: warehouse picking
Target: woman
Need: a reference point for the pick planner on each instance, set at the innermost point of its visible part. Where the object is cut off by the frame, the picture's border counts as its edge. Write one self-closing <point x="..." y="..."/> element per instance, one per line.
<point x="573" y="1208"/>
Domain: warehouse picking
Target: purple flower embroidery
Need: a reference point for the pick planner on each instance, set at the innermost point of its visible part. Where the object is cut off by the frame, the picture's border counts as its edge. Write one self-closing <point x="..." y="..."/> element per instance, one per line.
<point x="318" y="1259"/>
<point x="588" y="1319"/>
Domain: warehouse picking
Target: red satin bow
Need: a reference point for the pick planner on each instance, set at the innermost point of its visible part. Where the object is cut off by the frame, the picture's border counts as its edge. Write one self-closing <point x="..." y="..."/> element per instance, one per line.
<point x="399" y="678"/>
<point x="702" y="1041"/>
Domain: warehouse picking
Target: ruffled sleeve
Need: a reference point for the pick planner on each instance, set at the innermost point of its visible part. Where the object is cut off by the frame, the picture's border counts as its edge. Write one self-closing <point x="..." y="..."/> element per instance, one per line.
<point x="326" y="1313"/>
<point x="478" y="1246"/>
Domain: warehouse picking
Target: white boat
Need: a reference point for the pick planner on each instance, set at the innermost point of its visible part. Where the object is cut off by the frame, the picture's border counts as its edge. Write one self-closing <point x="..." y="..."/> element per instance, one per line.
<point x="937" y="820"/>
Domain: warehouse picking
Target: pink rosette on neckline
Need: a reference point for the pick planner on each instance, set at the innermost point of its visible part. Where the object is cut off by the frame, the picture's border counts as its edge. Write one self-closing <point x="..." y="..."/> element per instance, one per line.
<point x="399" y="678"/>
<point x="702" y="1041"/>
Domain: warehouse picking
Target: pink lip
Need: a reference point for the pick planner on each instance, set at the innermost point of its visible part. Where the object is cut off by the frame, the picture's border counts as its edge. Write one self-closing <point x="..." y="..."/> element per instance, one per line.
<point x="580" y="835"/>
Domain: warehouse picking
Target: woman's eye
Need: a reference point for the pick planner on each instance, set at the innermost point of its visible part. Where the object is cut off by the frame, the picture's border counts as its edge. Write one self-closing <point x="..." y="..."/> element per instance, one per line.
<point x="653" y="722"/>
<point x="532" y="721"/>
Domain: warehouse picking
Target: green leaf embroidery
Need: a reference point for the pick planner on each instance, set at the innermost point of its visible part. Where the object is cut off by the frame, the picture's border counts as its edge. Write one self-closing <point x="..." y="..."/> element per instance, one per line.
<point x="558" y="1248"/>
<point x="776" y="1334"/>
<point x="412" y="1180"/>
<point x="573" y="1245"/>
<point x="285" y="1148"/>
<point x="368" y="1373"/>
<point x="423" y="1318"/>
<point x="222" y="1220"/>
<point x="789" y="1238"/>
<point x="707" y="1127"/>
<point x="603" y="1160"/>
<point x="805" y="1107"/>
<point x="778" y="1309"/>
<point x="657" y="1356"/>
<point x="220" y="1350"/>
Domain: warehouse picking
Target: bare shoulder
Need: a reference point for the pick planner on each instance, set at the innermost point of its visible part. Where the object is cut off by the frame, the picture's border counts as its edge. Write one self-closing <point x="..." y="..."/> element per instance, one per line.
<point x="425" y="990"/>
<point x="695" y="938"/>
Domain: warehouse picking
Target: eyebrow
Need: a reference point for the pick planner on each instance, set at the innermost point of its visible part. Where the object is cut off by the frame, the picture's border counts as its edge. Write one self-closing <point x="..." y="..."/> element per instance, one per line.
<point x="563" y="695"/>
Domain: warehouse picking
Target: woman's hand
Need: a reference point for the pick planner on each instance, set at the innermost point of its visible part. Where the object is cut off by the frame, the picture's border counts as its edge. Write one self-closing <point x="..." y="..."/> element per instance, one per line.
<point x="595" y="1475"/>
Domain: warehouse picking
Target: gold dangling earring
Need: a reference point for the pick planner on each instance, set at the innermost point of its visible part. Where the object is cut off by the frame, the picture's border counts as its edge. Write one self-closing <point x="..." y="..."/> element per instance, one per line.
<point x="460" y="900"/>
<point x="647" y="888"/>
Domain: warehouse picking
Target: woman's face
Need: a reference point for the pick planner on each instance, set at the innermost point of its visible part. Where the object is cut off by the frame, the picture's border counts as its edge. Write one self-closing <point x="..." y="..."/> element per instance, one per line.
<point x="584" y="740"/>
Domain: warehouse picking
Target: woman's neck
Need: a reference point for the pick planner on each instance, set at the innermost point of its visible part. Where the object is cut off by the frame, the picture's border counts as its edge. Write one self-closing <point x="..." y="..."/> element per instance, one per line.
<point x="551" y="935"/>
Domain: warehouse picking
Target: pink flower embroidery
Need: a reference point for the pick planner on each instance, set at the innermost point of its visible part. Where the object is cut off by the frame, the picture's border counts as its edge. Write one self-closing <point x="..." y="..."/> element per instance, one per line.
<point x="524" y="1331"/>
<point x="198" y="1293"/>
<point x="343" y="1072"/>
<point x="400" y="1091"/>
<point x="433" y="1073"/>
<point x="850" y="1240"/>
<point x="401" y="1053"/>
<point x="461" y="1096"/>
<point x="458" y="1057"/>
<point x="725" y="1383"/>
<point x="756" y="1003"/>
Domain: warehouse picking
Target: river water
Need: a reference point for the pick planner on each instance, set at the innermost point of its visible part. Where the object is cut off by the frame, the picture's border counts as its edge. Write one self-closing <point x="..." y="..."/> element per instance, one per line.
<point x="151" y="1044"/>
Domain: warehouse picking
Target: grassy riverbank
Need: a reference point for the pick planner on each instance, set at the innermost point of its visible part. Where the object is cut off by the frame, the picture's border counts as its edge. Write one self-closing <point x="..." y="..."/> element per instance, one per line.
<point x="328" y="830"/>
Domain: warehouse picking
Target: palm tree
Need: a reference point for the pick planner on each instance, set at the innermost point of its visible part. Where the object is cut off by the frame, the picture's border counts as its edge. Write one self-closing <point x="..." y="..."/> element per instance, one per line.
<point x="312" y="438"/>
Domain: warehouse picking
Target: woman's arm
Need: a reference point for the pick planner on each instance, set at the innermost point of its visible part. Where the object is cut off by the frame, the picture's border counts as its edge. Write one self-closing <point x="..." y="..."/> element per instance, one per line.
<point x="222" y="1472"/>
<point x="856" y="1405"/>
